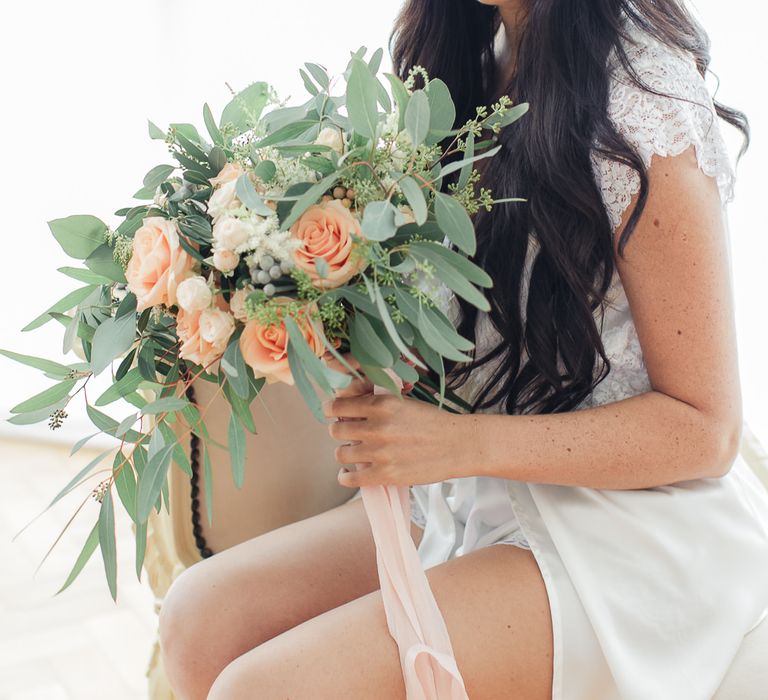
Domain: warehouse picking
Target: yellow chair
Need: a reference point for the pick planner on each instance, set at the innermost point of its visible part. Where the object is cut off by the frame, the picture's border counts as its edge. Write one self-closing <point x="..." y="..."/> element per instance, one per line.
<point x="290" y="475"/>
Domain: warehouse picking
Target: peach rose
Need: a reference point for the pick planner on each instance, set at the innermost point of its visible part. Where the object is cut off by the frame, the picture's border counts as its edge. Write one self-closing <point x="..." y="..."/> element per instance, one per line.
<point x="264" y="348"/>
<point x="324" y="229"/>
<point x="158" y="263"/>
<point x="229" y="173"/>
<point x="204" y="334"/>
<point x="237" y="302"/>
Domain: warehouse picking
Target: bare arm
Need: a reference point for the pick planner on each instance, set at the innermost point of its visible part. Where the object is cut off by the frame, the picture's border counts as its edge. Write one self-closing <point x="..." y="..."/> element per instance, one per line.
<point x="677" y="279"/>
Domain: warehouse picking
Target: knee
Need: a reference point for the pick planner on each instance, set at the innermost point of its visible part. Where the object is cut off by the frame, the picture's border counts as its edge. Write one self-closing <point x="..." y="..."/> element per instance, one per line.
<point x="243" y="677"/>
<point x="185" y="636"/>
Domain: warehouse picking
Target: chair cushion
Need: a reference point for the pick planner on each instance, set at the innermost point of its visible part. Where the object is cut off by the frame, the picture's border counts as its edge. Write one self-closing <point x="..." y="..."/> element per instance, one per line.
<point x="747" y="678"/>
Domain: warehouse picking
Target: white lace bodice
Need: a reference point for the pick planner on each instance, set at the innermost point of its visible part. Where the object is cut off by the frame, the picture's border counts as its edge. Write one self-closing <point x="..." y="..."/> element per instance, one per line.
<point x="654" y="125"/>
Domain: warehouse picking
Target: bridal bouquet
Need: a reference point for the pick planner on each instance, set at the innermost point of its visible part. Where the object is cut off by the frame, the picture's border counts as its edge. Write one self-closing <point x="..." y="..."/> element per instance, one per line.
<point x="283" y="234"/>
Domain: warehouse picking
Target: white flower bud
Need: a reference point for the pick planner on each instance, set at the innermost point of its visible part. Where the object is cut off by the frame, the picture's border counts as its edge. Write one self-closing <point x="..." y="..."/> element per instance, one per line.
<point x="194" y="294"/>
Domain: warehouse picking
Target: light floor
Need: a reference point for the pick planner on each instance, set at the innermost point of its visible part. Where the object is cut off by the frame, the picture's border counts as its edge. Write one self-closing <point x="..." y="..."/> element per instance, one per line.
<point x="80" y="644"/>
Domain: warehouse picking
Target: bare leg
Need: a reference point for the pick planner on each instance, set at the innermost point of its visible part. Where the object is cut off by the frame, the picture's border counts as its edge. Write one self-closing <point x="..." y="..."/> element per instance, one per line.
<point x="497" y="612"/>
<point x="223" y="606"/>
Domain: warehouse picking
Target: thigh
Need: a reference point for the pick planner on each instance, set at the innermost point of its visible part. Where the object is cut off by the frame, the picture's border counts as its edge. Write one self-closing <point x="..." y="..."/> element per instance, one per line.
<point x="259" y="588"/>
<point x="497" y="613"/>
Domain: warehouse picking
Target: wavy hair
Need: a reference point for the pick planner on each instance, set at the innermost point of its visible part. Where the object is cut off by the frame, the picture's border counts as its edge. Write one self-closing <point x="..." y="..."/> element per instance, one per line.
<point x="562" y="70"/>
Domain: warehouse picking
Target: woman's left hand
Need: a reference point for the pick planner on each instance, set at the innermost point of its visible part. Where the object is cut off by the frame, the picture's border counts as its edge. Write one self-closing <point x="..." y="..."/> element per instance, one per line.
<point x="404" y="441"/>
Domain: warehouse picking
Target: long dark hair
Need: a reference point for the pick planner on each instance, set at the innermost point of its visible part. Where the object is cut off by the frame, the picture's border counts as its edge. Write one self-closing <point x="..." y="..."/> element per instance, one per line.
<point x="562" y="71"/>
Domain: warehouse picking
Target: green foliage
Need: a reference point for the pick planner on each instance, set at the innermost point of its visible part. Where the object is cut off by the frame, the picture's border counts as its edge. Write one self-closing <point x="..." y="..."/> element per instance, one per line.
<point x="396" y="148"/>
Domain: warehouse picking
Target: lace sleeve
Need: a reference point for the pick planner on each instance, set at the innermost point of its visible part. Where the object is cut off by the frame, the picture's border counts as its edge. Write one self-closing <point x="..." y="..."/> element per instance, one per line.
<point x="662" y="125"/>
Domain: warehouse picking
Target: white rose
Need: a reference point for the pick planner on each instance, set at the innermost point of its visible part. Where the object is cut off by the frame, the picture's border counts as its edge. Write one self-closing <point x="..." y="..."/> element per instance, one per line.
<point x="216" y="327"/>
<point x="194" y="294"/>
<point x="223" y="200"/>
<point x="231" y="232"/>
<point x="237" y="302"/>
<point x="331" y="136"/>
<point x="225" y="260"/>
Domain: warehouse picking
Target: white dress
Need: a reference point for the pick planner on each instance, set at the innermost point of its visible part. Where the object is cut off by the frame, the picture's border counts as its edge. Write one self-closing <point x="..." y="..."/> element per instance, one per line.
<point x="651" y="590"/>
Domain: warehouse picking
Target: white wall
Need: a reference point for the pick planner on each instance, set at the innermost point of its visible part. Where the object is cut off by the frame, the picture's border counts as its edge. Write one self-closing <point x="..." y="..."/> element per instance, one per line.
<point x="82" y="77"/>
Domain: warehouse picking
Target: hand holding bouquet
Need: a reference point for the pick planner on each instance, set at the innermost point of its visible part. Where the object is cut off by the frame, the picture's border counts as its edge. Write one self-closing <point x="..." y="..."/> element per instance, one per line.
<point x="284" y="235"/>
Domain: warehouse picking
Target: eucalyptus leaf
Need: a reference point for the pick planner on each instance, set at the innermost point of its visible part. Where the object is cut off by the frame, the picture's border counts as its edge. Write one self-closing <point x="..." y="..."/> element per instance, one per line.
<point x="365" y="344"/>
<point x="120" y="389"/>
<point x="86" y="552"/>
<point x="379" y="221"/>
<point x="87" y="276"/>
<point x="167" y="404"/>
<point x="312" y="89"/>
<point x="440" y="255"/>
<point x="326" y="378"/>
<point x="510" y="116"/>
<point x="442" y="112"/>
<point x="125" y="483"/>
<point x="466" y="169"/>
<point x="415" y="196"/>
<point x="45" y="398"/>
<point x="390" y="326"/>
<point x="247" y="194"/>
<point x="308" y="198"/>
<point x="459" y="164"/>
<point x="417" y="117"/>
<point x="265" y="170"/>
<point x="362" y="99"/>
<point x="102" y="262"/>
<point x="437" y="341"/>
<point x="155" y="132"/>
<point x="113" y="337"/>
<point x="236" y="436"/>
<point x="65" y="304"/>
<point x="38" y="363"/>
<point x="246" y="107"/>
<point x="454" y="221"/>
<point x="79" y="235"/>
<point x="151" y="481"/>
<point x="303" y="384"/>
<point x="319" y="74"/>
<point x="401" y="95"/>
<point x="141" y="547"/>
<point x="380" y="378"/>
<point x="159" y="174"/>
<point x="288" y="132"/>
<point x="233" y="364"/>
<point x="107" y="541"/>
<point x="210" y="125"/>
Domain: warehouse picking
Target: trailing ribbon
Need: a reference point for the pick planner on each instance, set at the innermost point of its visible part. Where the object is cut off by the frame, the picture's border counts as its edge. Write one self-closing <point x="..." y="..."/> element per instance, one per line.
<point x="413" y="617"/>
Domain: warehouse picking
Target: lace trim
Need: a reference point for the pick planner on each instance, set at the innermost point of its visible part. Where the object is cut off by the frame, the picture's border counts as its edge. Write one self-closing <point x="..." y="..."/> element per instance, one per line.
<point x="660" y="125"/>
<point x="654" y="125"/>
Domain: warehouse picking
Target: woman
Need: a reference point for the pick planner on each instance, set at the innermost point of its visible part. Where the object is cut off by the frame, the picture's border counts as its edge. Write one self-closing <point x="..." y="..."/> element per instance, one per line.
<point x="604" y="447"/>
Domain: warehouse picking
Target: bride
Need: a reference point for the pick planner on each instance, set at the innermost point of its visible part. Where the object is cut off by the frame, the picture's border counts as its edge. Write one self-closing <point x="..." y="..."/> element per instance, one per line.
<point x="603" y="450"/>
